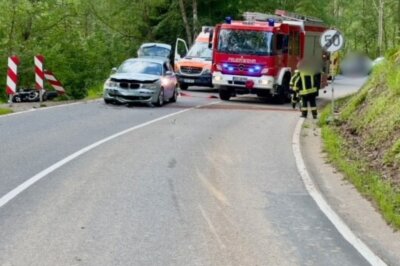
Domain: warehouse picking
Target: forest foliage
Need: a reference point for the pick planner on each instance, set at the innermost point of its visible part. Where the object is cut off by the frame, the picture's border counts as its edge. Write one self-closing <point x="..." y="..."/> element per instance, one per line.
<point x="83" y="39"/>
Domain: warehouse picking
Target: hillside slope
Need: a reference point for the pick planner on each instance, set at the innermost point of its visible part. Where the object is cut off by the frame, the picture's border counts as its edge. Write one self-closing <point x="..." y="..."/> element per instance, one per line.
<point x="365" y="141"/>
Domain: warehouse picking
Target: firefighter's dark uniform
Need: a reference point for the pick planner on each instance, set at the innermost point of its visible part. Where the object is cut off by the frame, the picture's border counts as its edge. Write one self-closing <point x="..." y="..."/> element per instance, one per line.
<point x="305" y="86"/>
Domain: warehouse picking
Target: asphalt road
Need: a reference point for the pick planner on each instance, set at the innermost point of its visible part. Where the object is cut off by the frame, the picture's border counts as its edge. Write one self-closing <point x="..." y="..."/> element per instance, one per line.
<point x="216" y="184"/>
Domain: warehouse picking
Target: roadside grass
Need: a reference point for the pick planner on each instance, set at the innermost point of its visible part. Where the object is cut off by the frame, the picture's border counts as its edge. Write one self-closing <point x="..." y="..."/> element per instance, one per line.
<point x="4" y="111"/>
<point x="95" y="92"/>
<point x="357" y="171"/>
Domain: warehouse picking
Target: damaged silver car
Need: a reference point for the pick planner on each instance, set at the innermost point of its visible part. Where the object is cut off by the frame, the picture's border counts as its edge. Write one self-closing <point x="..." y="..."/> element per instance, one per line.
<point x="142" y="80"/>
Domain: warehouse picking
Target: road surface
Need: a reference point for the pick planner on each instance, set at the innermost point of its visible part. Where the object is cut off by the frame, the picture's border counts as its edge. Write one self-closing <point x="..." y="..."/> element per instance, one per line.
<point x="197" y="182"/>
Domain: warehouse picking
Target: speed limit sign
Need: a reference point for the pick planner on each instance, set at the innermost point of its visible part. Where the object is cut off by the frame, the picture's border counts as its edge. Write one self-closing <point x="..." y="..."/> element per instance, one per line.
<point x="332" y="41"/>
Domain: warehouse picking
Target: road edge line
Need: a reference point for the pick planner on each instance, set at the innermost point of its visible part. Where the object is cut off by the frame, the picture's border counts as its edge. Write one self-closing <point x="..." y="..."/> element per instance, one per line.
<point x="31" y="181"/>
<point x="34" y="109"/>
<point x="316" y="195"/>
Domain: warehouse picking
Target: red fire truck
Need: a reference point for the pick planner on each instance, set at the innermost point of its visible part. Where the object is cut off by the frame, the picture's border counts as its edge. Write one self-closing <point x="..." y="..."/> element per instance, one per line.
<point x="258" y="55"/>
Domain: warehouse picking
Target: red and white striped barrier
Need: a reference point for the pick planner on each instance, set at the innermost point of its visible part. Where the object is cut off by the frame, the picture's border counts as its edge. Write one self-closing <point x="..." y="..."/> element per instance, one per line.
<point x="54" y="82"/>
<point x="39" y="73"/>
<point x="12" y="75"/>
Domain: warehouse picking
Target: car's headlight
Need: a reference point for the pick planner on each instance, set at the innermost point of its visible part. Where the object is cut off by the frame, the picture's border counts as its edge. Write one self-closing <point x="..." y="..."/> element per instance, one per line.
<point x="149" y="86"/>
<point x="207" y="71"/>
<point x="110" y="83"/>
<point x="217" y="78"/>
<point x="265" y="82"/>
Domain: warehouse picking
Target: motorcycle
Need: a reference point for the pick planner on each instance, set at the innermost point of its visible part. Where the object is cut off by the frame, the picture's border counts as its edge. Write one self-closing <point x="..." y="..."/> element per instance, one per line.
<point x="32" y="95"/>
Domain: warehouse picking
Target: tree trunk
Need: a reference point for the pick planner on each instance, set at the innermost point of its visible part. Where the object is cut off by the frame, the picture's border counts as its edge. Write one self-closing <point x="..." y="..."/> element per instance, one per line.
<point x="380" y="8"/>
<point x="380" y="34"/>
<point x="12" y="29"/>
<point x="186" y="22"/>
<point x="195" y="19"/>
<point x="397" y="40"/>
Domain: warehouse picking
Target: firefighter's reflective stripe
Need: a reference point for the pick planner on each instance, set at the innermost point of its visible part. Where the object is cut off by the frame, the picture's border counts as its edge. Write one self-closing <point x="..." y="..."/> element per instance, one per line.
<point x="307" y="91"/>
<point x="294" y="82"/>
<point x="308" y="85"/>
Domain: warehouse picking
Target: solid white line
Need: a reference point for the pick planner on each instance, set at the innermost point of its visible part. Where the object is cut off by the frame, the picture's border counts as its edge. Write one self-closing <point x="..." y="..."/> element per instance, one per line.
<point x="340" y="225"/>
<point x="48" y="107"/>
<point x="16" y="191"/>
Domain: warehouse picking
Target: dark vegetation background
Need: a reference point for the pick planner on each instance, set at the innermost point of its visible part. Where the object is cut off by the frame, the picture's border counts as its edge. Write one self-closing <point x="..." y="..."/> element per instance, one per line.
<point x="83" y="39"/>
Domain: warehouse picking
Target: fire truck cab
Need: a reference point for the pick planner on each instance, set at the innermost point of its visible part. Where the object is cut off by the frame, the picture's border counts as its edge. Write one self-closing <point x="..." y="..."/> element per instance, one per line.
<point x="258" y="55"/>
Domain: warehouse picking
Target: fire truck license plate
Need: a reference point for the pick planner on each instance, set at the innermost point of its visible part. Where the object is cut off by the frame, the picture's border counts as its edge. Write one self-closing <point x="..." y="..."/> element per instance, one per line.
<point x="188" y="80"/>
<point x="242" y="79"/>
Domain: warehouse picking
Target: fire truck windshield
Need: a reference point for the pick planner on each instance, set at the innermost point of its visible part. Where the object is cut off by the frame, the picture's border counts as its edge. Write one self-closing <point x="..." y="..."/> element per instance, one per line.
<point x="246" y="42"/>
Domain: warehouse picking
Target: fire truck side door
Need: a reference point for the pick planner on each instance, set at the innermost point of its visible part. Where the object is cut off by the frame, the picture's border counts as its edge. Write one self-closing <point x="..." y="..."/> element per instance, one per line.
<point x="181" y="49"/>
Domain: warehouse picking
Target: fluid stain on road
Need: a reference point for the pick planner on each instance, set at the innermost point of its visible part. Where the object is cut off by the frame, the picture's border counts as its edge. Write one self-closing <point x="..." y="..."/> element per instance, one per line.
<point x="172" y="163"/>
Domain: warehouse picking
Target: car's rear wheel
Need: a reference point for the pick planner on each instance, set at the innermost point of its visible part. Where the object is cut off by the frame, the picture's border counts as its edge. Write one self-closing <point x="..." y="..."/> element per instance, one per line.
<point x="160" y="99"/>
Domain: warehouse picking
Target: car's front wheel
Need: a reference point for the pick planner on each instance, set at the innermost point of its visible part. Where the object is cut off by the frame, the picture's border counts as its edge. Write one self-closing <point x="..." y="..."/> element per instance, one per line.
<point x="183" y="87"/>
<point x="174" y="96"/>
<point x="160" y="99"/>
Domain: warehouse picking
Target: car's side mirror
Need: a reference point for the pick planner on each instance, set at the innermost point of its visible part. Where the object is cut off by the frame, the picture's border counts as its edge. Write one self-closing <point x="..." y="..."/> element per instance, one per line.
<point x="169" y="73"/>
<point x="113" y="70"/>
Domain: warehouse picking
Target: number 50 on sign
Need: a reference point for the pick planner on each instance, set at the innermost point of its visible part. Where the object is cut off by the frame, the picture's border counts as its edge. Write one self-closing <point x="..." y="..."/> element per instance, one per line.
<point x="332" y="41"/>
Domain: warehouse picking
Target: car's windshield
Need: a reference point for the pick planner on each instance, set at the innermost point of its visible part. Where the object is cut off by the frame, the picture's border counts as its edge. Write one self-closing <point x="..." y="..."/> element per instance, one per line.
<point x="141" y="67"/>
<point x="246" y="42"/>
<point x="154" y="51"/>
<point x="200" y="50"/>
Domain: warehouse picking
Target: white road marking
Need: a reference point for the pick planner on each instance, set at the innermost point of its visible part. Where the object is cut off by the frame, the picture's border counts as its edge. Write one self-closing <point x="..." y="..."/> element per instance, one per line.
<point x="48" y="107"/>
<point x="25" y="185"/>
<point x="340" y="225"/>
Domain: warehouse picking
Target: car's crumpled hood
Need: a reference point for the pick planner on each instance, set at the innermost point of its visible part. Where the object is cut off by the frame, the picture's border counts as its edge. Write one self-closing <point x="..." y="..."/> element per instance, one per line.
<point x="135" y="77"/>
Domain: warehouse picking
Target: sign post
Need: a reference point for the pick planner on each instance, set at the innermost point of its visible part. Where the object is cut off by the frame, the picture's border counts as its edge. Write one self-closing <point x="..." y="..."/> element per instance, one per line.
<point x="332" y="41"/>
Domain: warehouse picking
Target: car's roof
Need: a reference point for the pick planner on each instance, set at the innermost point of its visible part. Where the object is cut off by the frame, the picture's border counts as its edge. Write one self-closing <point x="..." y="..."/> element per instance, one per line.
<point x="153" y="59"/>
<point x="163" y="45"/>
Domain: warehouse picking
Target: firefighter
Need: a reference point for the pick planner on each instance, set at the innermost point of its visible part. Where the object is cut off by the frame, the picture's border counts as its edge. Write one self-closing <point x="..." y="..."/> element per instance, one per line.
<point x="294" y="83"/>
<point x="305" y="86"/>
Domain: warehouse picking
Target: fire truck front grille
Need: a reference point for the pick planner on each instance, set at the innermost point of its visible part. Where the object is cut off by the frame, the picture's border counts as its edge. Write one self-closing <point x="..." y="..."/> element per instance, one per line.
<point x="244" y="68"/>
<point x="191" y="70"/>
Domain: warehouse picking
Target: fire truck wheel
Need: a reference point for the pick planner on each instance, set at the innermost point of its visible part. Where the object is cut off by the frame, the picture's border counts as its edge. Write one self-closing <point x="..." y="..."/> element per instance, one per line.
<point x="224" y="95"/>
<point x="283" y="95"/>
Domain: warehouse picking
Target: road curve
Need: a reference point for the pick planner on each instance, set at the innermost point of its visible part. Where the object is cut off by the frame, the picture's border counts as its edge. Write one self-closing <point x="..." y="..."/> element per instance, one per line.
<point x="216" y="185"/>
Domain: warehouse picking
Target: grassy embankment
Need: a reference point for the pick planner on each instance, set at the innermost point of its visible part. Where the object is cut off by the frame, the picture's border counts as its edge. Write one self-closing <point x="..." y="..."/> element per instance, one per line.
<point x="364" y="143"/>
<point x="4" y="111"/>
<point x="95" y="92"/>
